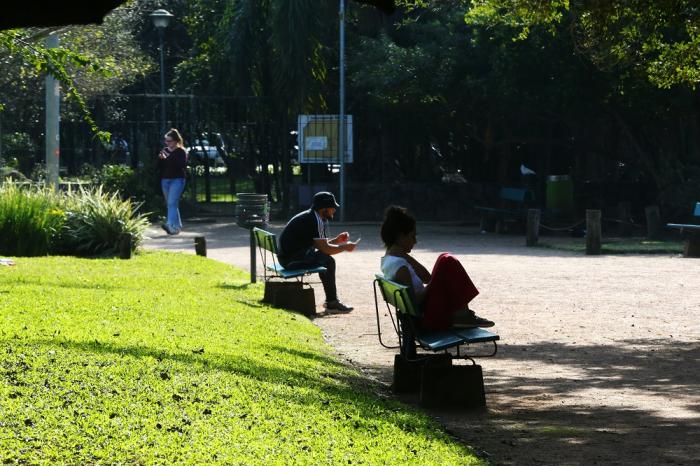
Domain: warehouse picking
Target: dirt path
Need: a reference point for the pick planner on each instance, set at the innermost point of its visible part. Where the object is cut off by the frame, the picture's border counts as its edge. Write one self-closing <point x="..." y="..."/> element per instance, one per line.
<point x="599" y="361"/>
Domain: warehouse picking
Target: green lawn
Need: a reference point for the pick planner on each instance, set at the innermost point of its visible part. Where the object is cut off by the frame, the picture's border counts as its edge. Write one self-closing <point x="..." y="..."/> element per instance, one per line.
<point x="170" y="358"/>
<point x="615" y="245"/>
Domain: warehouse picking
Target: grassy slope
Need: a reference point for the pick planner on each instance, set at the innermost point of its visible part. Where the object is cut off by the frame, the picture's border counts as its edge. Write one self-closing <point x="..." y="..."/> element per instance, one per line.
<point x="171" y="359"/>
<point x="618" y="246"/>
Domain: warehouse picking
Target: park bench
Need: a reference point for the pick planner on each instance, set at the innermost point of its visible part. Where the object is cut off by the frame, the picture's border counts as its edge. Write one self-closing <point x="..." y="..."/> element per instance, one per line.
<point x="512" y="208"/>
<point x="691" y="232"/>
<point x="424" y="363"/>
<point x="284" y="287"/>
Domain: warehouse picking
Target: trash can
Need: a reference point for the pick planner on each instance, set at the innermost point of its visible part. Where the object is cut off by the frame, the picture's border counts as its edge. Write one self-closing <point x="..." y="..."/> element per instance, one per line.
<point x="560" y="193"/>
<point x="252" y="210"/>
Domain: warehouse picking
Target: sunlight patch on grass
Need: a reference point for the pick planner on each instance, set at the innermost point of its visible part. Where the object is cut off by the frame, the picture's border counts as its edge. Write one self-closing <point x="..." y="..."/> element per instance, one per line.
<point x="171" y="358"/>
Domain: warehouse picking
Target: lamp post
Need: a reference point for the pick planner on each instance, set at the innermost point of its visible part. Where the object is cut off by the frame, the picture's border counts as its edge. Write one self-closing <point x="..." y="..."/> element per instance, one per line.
<point x="341" y="130"/>
<point x="161" y="19"/>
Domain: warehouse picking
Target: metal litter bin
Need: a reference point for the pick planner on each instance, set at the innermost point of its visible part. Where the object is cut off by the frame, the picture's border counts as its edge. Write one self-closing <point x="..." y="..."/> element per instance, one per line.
<point x="252" y="210"/>
<point x="560" y="194"/>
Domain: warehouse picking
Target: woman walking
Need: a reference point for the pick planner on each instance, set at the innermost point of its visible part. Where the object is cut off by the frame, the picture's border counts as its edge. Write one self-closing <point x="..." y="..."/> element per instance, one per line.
<point x="173" y="160"/>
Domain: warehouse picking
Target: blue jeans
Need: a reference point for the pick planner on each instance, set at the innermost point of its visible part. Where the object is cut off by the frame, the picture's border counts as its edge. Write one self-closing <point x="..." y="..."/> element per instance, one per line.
<point x="172" y="190"/>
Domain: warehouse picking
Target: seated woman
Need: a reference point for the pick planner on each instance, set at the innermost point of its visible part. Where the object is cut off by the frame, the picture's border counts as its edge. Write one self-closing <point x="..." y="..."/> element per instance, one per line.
<point x="444" y="294"/>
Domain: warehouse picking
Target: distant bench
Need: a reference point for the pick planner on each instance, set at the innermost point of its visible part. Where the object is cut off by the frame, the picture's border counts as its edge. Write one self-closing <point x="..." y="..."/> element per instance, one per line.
<point x="512" y="208"/>
<point x="691" y="233"/>
<point x="291" y="295"/>
<point x="431" y="371"/>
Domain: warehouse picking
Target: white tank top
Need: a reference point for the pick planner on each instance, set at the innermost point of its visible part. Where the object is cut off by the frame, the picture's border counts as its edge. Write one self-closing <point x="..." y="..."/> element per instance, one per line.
<point x="391" y="264"/>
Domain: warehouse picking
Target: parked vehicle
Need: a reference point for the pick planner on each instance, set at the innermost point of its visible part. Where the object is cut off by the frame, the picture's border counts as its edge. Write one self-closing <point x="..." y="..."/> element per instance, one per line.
<point x="212" y="152"/>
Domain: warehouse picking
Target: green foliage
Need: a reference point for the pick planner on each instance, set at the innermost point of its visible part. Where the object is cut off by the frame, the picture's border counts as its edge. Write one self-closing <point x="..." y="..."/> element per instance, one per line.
<point x="115" y="179"/>
<point x="95" y="221"/>
<point x="657" y="40"/>
<point x="170" y="359"/>
<point x="29" y="220"/>
<point x="38" y="221"/>
<point x="248" y="47"/>
<point x="55" y="61"/>
<point x="140" y="186"/>
<point x="17" y="145"/>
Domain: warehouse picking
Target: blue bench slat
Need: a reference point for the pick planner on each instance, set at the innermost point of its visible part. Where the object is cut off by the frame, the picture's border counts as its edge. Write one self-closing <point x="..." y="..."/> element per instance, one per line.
<point x="689" y="226"/>
<point x="440" y="340"/>
<point x="291" y="273"/>
<point x="477" y="335"/>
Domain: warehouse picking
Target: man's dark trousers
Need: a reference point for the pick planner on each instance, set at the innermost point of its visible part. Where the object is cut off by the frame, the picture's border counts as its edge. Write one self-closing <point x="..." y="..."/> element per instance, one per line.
<point x="314" y="258"/>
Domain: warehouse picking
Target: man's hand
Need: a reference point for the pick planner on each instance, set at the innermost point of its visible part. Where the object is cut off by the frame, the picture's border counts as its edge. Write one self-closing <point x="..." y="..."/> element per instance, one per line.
<point x="342" y="238"/>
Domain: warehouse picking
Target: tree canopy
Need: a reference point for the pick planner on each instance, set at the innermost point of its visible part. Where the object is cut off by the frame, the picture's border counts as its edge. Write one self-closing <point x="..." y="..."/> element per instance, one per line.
<point x="659" y="39"/>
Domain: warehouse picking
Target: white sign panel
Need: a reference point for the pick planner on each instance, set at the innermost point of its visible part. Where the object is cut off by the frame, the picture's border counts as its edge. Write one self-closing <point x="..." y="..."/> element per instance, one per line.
<point x="316" y="143"/>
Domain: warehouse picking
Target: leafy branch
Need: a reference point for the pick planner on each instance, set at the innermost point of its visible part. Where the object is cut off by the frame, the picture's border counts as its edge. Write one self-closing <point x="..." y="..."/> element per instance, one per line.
<point x="55" y="61"/>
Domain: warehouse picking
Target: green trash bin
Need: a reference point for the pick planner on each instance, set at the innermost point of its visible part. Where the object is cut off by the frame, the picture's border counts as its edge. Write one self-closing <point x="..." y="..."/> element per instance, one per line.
<point x="560" y="194"/>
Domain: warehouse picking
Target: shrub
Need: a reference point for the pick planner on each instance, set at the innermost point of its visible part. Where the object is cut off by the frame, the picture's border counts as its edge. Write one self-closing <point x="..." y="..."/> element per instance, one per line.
<point x="95" y="221"/>
<point x="116" y="179"/>
<point x="140" y="186"/>
<point x="30" y="218"/>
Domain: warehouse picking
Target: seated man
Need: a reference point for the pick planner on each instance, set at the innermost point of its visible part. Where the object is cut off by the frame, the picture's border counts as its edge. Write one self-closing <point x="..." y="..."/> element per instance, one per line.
<point x="304" y="244"/>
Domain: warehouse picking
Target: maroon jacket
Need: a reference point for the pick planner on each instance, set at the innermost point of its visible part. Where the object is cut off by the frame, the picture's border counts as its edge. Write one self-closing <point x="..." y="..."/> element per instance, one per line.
<point x="174" y="165"/>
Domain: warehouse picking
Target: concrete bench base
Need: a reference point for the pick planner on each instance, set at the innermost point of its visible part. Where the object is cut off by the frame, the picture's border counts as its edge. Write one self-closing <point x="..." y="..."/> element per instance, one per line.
<point x="692" y="246"/>
<point x="291" y="295"/>
<point x="439" y="383"/>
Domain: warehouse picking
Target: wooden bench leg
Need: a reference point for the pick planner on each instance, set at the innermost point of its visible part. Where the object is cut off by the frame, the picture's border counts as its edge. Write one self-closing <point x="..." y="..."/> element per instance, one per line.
<point x="452" y="387"/>
<point x="692" y="247"/>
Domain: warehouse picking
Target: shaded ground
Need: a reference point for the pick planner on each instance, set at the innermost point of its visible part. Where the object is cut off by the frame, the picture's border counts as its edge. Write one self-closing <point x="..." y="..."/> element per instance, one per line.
<point x="599" y="361"/>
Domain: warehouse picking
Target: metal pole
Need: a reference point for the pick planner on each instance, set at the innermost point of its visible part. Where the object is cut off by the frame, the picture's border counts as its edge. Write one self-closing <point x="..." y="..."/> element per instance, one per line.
<point x="253" y="265"/>
<point x="53" y="96"/>
<point x="341" y="129"/>
<point x="162" y="84"/>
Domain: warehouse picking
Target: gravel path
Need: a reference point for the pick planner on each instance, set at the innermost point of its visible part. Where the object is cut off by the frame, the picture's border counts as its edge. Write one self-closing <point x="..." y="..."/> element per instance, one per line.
<point x="599" y="361"/>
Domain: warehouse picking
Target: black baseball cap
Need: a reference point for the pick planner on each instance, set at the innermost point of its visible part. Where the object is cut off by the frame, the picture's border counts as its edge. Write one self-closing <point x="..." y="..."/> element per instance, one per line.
<point x="323" y="200"/>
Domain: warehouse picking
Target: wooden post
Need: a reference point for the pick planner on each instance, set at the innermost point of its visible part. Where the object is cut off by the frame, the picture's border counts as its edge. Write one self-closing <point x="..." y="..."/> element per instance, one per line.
<point x="624" y="213"/>
<point x="653" y="222"/>
<point x="200" y="246"/>
<point x="125" y="246"/>
<point x="533" y="227"/>
<point x="593" y="232"/>
<point x="692" y="246"/>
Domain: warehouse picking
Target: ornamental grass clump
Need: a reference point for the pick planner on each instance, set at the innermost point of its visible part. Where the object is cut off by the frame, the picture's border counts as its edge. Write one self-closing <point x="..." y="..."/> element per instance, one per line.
<point x="30" y="219"/>
<point x="95" y="222"/>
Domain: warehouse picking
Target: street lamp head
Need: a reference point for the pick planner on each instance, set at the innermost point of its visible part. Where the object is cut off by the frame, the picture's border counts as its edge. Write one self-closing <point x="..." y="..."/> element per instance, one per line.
<point x="161" y="18"/>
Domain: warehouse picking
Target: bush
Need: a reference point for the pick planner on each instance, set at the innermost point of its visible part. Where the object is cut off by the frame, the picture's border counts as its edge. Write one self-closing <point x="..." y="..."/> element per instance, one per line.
<point x="36" y="222"/>
<point x="116" y="179"/>
<point x="30" y="219"/>
<point x="140" y="186"/>
<point x="95" y="221"/>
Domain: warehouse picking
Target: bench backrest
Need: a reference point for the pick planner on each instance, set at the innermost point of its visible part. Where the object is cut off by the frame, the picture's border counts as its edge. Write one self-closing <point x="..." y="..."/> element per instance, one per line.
<point x="265" y="240"/>
<point x="397" y="295"/>
<point x="697" y="209"/>
<point x="516" y="195"/>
